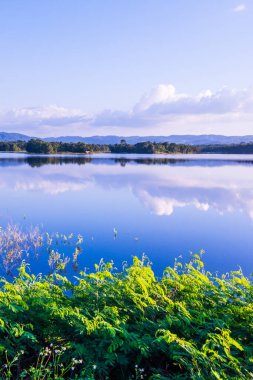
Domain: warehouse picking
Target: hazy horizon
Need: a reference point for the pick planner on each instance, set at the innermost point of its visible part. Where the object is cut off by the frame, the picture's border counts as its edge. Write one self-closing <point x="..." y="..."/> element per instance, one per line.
<point x="127" y="136"/>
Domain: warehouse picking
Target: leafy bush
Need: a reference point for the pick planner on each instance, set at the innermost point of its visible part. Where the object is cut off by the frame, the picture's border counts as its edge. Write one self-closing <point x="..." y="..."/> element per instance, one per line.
<point x="108" y="324"/>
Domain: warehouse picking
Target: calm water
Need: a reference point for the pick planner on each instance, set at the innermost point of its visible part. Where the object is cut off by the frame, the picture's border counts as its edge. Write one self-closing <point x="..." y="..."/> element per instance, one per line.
<point x="163" y="206"/>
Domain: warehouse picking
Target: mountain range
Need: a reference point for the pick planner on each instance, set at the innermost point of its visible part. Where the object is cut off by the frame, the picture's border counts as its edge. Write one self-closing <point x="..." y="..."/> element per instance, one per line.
<point x="112" y="139"/>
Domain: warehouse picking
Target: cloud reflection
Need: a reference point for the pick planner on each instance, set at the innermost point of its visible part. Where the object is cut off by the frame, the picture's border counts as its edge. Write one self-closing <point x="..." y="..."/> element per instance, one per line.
<point x="160" y="188"/>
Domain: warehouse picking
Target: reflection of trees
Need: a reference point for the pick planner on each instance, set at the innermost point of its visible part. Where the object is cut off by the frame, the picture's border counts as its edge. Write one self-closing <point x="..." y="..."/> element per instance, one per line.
<point x="158" y="161"/>
<point x="38" y="161"/>
<point x="180" y="162"/>
<point x="147" y="161"/>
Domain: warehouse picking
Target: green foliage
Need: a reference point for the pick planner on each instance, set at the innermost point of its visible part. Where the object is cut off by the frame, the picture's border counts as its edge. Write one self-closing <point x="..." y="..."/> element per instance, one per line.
<point x="12" y="146"/>
<point x="110" y="324"/>
<point x="147" y="147"/>
<point x="242" y="148"/>
<point x="43" y="147"/>
<point x="40" y="146"/>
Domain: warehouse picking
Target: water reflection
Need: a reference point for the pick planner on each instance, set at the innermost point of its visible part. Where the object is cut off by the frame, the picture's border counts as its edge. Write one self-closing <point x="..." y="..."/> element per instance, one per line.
<point x="173" y="204"/>
<point x="224" y="185"/>
<point x="124" y="160"/>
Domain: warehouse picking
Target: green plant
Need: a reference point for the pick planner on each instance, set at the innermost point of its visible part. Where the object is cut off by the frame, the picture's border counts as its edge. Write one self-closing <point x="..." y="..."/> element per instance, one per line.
<point x="127" y="324"/>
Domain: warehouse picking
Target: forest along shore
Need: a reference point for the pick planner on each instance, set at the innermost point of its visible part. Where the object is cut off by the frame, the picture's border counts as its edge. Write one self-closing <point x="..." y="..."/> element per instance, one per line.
<point x="148" y="147"/>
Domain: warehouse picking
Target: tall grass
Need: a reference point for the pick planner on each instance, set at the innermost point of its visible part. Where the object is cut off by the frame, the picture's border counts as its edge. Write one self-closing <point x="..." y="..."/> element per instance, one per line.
<point x="19" y="243"/>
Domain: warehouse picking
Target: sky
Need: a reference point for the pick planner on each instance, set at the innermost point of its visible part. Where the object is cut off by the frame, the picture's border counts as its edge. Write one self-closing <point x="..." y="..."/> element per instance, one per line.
<point x="146" y="67"/>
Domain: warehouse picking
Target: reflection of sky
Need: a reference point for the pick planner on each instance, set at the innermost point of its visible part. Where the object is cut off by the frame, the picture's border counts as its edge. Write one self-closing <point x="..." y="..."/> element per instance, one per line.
<point x="172" y="209"/>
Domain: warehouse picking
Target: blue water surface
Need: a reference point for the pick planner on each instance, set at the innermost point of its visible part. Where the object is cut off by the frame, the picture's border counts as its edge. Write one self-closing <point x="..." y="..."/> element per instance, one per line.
<point x="160" y="205"/>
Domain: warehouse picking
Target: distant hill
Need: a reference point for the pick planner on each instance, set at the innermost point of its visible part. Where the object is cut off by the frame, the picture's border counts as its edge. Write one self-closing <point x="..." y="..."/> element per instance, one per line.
<point x="178" y="139"/>
<point x="4" y="136"/>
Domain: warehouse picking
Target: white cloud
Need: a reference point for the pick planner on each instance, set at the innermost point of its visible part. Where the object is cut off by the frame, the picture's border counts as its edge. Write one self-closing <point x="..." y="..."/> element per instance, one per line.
<point x="43" y="182"/>
<point x="34" y="117"/>
<point x="49" y="187"/>
<point x="222" y="187"/>
<point x="166" y="205"/>
<point x="222" y="101"/>
<point x="158" y="95"/>
<point x="163" y="110"/>
<point x="164" y="106"/>
<point x="239" y="8"/>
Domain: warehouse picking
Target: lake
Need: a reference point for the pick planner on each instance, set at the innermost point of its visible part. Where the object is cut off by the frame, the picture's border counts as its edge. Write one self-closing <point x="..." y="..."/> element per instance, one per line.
<point x="125" y="205"/>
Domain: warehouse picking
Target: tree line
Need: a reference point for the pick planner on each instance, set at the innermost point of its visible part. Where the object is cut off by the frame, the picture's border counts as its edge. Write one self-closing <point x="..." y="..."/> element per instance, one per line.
<point x="44" y="147"/>
<point x="151" y="148"/>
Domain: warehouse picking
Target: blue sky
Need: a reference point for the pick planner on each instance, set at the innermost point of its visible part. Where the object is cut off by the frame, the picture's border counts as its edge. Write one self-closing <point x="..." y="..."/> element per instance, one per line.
<point x="81" y="66"/>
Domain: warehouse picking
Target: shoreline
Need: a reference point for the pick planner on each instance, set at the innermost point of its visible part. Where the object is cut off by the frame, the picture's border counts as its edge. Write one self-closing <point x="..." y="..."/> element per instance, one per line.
<point x="205" y="155"/>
